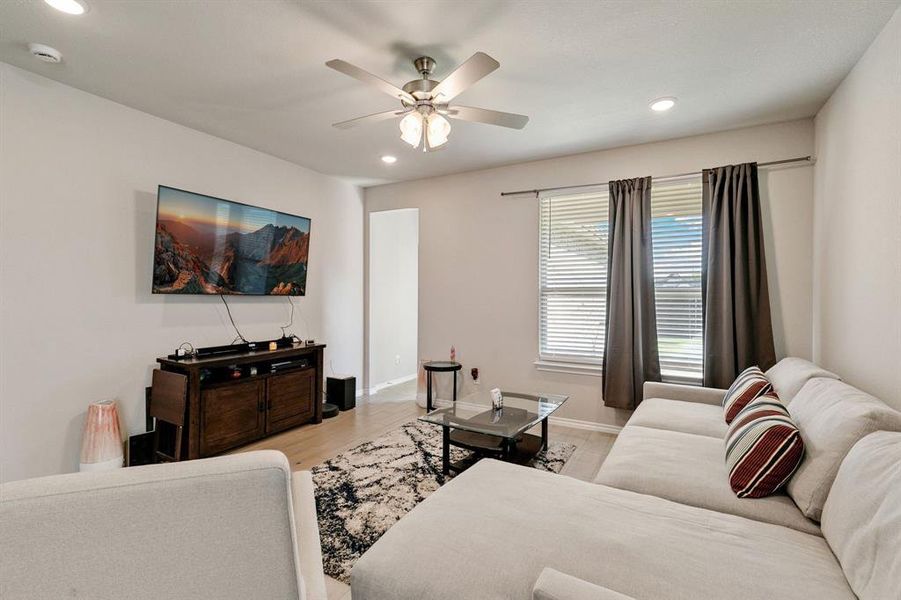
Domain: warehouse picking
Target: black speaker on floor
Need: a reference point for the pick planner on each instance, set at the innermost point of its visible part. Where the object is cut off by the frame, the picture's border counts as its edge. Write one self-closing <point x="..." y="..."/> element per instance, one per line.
<point x="341" y="391"/>
<point x="140" y="449"/>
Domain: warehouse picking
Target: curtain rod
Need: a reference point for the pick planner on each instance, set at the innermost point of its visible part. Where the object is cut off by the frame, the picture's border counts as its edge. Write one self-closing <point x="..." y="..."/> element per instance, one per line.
<point x="807" y="158"/>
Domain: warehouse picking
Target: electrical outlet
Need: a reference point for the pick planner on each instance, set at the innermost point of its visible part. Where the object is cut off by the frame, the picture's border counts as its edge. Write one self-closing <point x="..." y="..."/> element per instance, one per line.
<point x="397" y="359"/>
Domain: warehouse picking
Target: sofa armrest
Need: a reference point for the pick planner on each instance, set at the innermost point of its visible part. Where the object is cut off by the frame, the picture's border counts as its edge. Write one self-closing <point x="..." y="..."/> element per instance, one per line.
<point x="211" y="528"/>
<point x="686" y="393"/>
<point x="308" y="544"/>
<point x="554" y="585"/>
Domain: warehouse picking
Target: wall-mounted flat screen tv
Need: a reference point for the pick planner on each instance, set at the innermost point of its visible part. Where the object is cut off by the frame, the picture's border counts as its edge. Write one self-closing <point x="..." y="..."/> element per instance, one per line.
<point x="207" y="245"/>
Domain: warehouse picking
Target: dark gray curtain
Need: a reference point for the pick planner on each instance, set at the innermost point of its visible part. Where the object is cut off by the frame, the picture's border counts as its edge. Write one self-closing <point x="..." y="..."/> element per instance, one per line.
<point x="630" y="353"/>
<point x="738" y="331"/>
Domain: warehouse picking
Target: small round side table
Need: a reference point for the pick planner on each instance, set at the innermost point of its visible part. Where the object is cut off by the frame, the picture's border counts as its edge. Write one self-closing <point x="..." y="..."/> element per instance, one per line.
<point x="439" y="366"/>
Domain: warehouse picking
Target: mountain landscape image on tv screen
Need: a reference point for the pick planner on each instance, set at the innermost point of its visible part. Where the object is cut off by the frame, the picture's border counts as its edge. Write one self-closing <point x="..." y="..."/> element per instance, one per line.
<point x="205" y="245"/>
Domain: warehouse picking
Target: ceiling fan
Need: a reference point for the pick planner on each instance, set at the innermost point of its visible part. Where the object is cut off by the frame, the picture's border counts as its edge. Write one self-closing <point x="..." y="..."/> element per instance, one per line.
<point x="425" y="102"/>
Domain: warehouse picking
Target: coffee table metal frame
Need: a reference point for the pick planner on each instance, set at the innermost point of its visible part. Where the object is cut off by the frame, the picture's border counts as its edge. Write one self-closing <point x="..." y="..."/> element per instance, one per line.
<point x="518" y="447"/>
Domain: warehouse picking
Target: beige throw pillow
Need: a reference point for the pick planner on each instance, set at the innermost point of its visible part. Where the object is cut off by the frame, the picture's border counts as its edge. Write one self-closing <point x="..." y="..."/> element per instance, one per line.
<point x="862" y="517"/>
<point x="790" y="374"/>
<point x="832" y="416"/>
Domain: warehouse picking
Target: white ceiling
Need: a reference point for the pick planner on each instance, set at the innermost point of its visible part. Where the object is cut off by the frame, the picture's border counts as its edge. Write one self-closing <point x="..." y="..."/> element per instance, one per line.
<point x="252" y="71"/>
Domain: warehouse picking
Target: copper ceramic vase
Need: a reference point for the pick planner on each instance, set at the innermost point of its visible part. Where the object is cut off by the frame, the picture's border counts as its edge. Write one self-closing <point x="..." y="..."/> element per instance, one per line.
<point x="101" y="447"/>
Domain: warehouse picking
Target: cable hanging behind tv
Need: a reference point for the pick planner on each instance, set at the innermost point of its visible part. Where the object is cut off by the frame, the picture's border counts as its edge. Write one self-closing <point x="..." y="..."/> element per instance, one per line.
<point x="207" y="245"/>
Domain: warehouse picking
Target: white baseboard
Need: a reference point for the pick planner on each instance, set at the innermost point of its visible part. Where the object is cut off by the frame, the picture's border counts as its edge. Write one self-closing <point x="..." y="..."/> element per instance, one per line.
<point x="562" y="421"/>
<point x="380" y="386"/>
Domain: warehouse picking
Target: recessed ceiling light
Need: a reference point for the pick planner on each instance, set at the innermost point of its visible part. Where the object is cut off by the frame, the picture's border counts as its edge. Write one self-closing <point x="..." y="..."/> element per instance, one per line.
<point x="663" y="104"/>
<point x="389" y="160"/>
<point x="70" y="7"/>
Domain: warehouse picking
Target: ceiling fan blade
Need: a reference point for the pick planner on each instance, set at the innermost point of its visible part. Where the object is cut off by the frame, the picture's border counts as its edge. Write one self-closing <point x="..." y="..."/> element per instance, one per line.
<point x="483" y="115"/>
<point x="370" y="79"/>
<point x="374" y="118"/>
<point x="477" y="66"/>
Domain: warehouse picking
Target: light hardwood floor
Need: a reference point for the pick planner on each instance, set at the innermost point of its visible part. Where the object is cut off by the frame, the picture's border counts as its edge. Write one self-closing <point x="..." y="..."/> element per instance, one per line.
<point x="379" y="413"/>
<point x="373" y="416"/>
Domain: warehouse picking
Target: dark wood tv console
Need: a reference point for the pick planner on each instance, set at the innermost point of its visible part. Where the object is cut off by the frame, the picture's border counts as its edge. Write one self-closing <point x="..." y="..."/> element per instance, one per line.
<point x="226" y="411"/>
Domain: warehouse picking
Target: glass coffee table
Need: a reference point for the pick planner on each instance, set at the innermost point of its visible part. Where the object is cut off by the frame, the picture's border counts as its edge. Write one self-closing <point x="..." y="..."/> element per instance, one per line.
<point x="473" y="424"/>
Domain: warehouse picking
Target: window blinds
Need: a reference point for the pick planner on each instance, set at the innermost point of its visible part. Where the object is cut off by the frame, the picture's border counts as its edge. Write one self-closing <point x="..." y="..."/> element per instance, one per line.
<point x="676" y="229"/>
<point x="572" y="277"/>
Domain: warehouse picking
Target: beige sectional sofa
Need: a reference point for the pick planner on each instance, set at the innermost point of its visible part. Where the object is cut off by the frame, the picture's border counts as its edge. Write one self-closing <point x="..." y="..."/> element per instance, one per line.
<point x="660" y="521"/>
<point x="237" y="527"/>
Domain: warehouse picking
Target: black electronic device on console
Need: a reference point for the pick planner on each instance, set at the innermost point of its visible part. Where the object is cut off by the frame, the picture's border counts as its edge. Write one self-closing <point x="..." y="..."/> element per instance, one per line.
<point x="287" y="365"/>
<point x="215" y="351"/>
<point x="225" y="350"/>
<point x="211" y="351"/>
<point x="287" y="341"/>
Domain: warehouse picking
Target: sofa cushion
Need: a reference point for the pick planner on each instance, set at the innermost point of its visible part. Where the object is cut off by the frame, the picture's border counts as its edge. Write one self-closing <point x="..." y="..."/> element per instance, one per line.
<point x="684" y="392"/>
<point x="763" y="448"/>
<point x="678" y="415"/>
<point x="554" y="585"/>
<point x="832" y="417"/>
<point x="790" y="374"/>
<point x="750" y="383"/>
<point x="491" y="531"/>
<point x="689" y="468"/>
<point x="862" y="516"/>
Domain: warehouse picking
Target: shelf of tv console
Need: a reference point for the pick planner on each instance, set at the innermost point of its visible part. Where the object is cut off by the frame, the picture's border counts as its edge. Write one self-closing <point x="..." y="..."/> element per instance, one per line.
<point x="225" y="413"/>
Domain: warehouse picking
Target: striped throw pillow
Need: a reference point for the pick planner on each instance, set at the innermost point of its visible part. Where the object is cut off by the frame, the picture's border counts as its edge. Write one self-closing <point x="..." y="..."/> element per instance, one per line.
<point x="763" y="448"/>
<point x="750" y="384"/>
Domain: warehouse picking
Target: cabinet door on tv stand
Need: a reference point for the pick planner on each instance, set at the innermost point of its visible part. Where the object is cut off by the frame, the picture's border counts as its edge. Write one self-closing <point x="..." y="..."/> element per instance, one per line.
<point x="231" y="415"/>
<point x="291" y="397"/>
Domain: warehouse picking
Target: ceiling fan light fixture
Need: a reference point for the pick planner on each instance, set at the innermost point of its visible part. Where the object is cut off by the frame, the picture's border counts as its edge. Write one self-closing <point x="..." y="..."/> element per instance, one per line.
<point x="438" y="130"/>
<point x="424" y="102"/>
<point x="411" y="128"/>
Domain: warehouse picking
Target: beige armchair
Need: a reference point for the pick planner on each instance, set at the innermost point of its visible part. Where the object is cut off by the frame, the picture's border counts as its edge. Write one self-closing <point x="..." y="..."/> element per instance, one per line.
<point x="234" y="527"/>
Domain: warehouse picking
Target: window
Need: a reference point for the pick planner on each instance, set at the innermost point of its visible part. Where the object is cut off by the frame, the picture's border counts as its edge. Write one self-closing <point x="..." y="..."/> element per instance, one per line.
<point x="676" y="232"/>
<point x="572" y="277"/>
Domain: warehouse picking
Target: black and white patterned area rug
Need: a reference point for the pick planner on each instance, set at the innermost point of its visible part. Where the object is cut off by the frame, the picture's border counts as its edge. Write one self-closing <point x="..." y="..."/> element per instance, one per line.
<point x="364" y="491"/>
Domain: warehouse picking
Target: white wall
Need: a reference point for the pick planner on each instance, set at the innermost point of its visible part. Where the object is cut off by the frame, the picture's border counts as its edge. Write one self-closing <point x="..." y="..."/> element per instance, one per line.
<point x="478" y="252"/>
<point x="78" y="178"/>
<point x="393" y="295"/>
<point x="857" y="282"/>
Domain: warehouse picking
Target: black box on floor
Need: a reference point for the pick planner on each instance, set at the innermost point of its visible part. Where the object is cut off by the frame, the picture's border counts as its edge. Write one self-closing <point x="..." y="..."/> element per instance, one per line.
<point x="140" y="449"/>
<point x="341" y="391"/>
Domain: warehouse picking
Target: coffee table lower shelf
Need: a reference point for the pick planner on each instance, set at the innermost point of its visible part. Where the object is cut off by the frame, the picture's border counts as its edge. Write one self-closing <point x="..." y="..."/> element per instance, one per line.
<point x="519" y="451"/>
